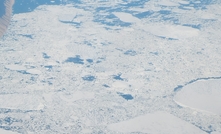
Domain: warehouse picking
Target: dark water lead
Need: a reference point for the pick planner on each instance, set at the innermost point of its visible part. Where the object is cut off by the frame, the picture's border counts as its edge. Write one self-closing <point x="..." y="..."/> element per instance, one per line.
<point x="126" y="96"/>
<point x="118" y="77"/>
<point x="45" y="56"/>
<point x="49" y="67"/>
<point x="130" y="52"/>
<point x="89" y="60"/>
<point x="76" y="60"/>
<point x="27" y="36"/>
<point x="23" y="6"/>
<point x="105" y="85"/>
<point x="144" y="14"/>
<point x="88" y="78"/>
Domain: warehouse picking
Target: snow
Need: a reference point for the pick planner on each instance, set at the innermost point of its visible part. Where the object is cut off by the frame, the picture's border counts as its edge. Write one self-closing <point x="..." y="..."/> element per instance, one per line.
<point x="202" y="95"/>
<point x="155" y="123"/>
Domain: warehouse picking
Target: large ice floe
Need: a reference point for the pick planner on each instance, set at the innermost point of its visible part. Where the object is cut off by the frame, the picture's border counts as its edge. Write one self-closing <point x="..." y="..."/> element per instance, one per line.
<point x="155" y="123"/>
<point x="202" y="95"/>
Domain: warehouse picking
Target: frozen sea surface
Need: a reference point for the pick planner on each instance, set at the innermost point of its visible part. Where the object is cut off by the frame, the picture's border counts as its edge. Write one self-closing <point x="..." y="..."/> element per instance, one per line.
<point x="94" y="66"/>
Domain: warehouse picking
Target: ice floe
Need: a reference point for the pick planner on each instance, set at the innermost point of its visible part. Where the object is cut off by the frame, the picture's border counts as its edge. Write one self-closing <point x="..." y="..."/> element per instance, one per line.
<point x="202" y="95"/>
<point x="155" y="123"/>
<point x="171" y="31"/>
<point x="126" y="17"/>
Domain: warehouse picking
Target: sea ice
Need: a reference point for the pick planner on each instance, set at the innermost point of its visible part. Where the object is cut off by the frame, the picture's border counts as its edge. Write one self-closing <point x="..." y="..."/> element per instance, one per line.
<point x="20" y="101"/>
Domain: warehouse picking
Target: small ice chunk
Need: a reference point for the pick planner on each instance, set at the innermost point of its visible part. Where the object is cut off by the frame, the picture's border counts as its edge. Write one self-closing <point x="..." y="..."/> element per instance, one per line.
<point x="126" y="17"/>
<point x="202" y="95"/>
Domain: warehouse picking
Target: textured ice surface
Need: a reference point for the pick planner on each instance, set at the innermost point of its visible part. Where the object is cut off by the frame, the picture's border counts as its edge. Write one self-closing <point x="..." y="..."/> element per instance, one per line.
<point x="201" y="95"/>
<point x="155" y="123"/>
